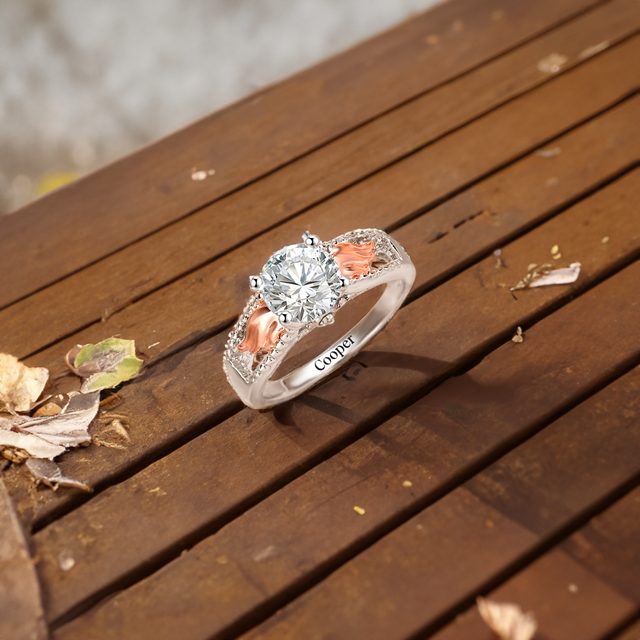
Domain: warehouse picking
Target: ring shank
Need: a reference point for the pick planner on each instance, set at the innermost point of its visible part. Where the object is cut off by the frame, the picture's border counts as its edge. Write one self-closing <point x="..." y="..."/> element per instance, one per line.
<point x="342" y="350"/>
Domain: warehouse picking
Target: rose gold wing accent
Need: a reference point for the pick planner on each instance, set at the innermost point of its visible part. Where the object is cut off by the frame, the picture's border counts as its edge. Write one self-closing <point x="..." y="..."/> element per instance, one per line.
<point x="263" y="331"/>
<point x="354" y="260"/>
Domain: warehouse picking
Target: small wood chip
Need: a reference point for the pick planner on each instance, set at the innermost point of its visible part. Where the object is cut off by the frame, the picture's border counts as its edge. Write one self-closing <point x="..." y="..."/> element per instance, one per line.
<point x="359" y="510"/>
<point x="605" y="240"/>
<point x="66" y="561"/>
<point x="592" y="51"/>
<point x="555" y="249"/>
<point x="407" y="483"/>
<point x="552" y="63"/>
<point x="519" y="337"/>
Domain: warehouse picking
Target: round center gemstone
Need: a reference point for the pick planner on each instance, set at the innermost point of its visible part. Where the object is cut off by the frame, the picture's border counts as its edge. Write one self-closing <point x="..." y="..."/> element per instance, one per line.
<point x="305" y="281"/>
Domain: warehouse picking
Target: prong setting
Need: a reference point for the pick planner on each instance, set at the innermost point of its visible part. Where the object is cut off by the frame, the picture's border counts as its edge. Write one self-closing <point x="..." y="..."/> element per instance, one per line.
<point x="285" y="317"/>
<point x="310" y="240"/>
<point x="255" y="283"/>
<point x="345" y="281"/>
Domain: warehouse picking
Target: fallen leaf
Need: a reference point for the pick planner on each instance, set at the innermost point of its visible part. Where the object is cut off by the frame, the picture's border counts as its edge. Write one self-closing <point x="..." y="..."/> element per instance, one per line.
<point x="545" y="275"/>
<point x="22" y="437"/>
<point x="49" y="473"/>
<point x="69" y="428"/>
<point x="104" y="365"/>
<point x="20" y="386"/>
<point x="507" y="620"/>
<point x="20" y="601"/>
<point x="566" y="275"/>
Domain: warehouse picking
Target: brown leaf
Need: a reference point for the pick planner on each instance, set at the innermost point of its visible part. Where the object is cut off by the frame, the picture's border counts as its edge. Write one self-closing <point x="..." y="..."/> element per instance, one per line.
<point x="20" y="386"/>
<point x="49" y="473"/>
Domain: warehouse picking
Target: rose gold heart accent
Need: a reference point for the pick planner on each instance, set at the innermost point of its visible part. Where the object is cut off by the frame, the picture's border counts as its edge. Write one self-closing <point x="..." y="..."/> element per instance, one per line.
<point x="354" y="260"/>
<point x="263" y="331"/>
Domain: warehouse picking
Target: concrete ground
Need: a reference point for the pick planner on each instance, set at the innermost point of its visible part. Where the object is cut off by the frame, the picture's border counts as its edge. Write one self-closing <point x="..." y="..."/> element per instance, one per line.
<point x="83" y="83"/>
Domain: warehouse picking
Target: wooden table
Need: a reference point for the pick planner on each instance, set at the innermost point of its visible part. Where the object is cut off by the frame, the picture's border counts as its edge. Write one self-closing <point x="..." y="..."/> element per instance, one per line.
<point x="480" y="135"/>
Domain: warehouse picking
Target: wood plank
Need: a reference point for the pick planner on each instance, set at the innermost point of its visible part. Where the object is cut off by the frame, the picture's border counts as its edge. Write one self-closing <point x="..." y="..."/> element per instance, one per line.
<point x="147" y="190"/>
<point x="21" y="612"/>
<point x="116" y="281"/>
<point x="269" y="554"/>
<point x="566" y="597"/>
<point x="155" y="402"/>
<point x="224" y="469"/>
<point x="210" y="297"/>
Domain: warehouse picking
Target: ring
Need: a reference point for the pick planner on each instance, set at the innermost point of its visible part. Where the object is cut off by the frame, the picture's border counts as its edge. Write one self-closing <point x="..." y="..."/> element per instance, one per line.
<point x="300" y="288"/>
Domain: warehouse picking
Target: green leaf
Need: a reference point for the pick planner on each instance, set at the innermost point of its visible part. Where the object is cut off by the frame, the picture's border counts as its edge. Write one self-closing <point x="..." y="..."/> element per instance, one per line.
<point x="104" y="365"/>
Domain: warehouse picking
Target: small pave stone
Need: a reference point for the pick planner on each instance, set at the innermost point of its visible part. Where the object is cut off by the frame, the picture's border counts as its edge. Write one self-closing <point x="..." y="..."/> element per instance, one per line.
<point x="305" y="281"/>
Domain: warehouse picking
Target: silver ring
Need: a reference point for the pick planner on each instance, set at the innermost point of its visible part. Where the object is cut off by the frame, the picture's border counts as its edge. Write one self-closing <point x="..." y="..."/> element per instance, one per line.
<point x="300" y="289"/>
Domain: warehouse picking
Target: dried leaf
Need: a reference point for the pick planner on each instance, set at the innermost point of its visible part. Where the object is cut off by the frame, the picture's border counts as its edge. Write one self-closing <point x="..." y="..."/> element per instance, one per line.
<point x="19" y="385"/>
<point x="49" y="473"/>
<point x="507" y="620"/>
<point x="104" y="365"/>
<point x="18" y="447"/>
<point x="566" y="275"/>
<point x="22" y="437"/>
<point x="545" y="275"/>
<point x="70" y="428"/>
<point x="22" y="615"/>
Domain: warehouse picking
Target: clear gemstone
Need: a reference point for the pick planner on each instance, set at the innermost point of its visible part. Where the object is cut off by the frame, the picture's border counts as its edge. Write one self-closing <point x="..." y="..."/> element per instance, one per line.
<point x="305" y="281"/>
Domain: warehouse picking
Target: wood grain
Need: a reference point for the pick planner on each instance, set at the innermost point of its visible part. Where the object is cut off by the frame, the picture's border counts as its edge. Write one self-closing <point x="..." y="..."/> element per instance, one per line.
<point x="147" y="190"/>
<point x="155" y="403"/>
<point x="302" y="528"/>
<point x="115" y="282"/>
<point x="567" y="599"/>
<point x="211" y="476"/>
<point x="210" y="297"/>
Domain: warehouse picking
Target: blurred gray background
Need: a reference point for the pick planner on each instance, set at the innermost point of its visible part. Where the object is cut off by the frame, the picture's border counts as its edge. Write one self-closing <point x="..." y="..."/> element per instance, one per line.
<point x="84" y="82"/>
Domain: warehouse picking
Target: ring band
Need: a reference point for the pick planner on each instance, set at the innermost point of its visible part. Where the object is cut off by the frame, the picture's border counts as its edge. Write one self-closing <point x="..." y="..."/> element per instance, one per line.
<point x="300" y="289"/>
